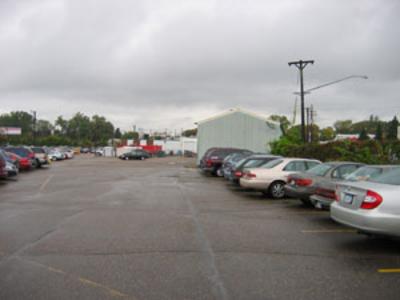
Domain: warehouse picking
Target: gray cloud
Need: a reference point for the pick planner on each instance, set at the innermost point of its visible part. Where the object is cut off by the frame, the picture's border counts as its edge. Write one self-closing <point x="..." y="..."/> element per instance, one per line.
<point x="171" y="63"/>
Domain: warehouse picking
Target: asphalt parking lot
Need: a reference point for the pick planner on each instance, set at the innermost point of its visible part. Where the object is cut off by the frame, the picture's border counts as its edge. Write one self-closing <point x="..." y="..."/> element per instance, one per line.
<point x="100" y="228"/>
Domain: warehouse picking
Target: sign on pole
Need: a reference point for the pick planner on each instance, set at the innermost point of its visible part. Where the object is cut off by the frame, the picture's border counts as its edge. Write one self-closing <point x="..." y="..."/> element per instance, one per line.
<point x="10" y="131"/>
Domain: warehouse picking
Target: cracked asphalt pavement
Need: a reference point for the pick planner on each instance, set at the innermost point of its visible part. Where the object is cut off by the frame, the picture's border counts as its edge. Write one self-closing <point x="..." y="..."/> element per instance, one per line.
<point x="101" y="228"/>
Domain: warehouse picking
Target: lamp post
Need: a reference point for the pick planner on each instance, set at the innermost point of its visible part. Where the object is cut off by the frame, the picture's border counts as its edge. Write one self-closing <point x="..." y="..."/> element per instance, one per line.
<point x="308" y="91"/>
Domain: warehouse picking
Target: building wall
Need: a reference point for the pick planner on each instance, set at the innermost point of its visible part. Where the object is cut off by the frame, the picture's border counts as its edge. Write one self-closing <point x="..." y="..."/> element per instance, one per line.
<point x="238" y="130"/>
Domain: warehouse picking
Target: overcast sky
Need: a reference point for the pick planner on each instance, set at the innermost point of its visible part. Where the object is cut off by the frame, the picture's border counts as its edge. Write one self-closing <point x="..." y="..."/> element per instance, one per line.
<point x="161" y="64"/>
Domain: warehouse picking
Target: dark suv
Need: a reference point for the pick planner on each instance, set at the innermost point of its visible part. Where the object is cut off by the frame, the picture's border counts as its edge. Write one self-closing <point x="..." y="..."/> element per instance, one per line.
<point x="214" y="157"/>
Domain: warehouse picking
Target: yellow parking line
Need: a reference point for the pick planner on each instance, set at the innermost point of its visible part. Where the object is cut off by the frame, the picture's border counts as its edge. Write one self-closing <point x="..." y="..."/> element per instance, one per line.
<point x="389" y="271"/>
<point x="98" y="285"/>
<point x="330" y="231"/>
<point x="51" y="269"/>
<point x="45" y="183"/>
<point x="85" y="281"/>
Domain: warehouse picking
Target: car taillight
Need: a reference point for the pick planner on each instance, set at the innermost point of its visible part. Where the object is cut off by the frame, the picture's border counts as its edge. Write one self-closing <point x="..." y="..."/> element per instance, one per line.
<point x="238" y="174"/>
<point x="331" y="194"/>
<point x="209" y="162"/>
<point x="250" y="175"/>
<point x="303" y="181"/>
<point x="371" y="200"/>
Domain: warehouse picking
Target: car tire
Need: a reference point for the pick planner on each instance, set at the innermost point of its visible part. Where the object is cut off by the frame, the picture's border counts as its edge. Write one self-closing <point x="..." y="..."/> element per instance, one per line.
<point x="126" y="158"/>
<point x="219" y="172"/>
<point x="306" y="202"/>
<point x="142" y="158"/>
<point x="276" y="190"/>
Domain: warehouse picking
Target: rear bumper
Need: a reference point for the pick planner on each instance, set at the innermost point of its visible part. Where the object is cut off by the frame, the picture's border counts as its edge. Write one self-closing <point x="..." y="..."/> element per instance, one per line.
<point x="367" y="221"/>
<point x="296" y="193"/>
<point x="321" y="202"/>
<point x="254" y="184"/>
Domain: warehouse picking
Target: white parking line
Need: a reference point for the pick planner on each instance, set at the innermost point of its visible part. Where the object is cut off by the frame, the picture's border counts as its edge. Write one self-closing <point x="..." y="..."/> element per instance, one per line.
<point x="45" y="183"/>
<point x="330" y="231"/>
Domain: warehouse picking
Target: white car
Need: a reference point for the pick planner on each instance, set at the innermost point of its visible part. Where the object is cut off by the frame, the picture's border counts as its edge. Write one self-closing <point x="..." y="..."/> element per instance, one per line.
<point x="56" y="155"/>
<point x="271" y="178"/>
<point x="372" y="206"/>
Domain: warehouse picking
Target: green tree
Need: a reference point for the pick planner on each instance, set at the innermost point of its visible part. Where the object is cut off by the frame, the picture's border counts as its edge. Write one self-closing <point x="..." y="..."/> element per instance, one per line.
<point x="44" y="128"/>
<point x="363" y="135"/>
<point x="130" y="135"/>
<point x="22" y="120"/>
<point x="190" y="132"/>
<point x="392" y="129"/>
<point x="291" y="139"/>
<point x="61" y="125"/>
<point x="379" y="132"/>
<point x="79" y="128"/>
<point x="343" y="126"/>
<point x="327" y="134"/>
<point x="117" y="133"/>
<point x="101" y="130"/>
<point x="282" y="120"/>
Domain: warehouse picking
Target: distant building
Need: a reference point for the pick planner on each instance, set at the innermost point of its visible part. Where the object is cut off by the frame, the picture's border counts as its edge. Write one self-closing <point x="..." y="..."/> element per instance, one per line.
<point x="237" y="128"/>
<point x="351" y="137"/>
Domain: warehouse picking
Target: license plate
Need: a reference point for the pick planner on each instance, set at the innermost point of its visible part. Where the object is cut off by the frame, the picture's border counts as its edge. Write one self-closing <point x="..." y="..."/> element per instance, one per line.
<point x="348" y="198"/>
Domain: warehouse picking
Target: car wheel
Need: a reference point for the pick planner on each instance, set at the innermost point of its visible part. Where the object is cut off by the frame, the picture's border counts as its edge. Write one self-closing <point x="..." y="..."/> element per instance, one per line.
<point x="306" y="202"/>
<point x="142" y="158"/>
<point x="219" y="172"/>
<point x="276" y="190"/>
<point x="126" y="158"/>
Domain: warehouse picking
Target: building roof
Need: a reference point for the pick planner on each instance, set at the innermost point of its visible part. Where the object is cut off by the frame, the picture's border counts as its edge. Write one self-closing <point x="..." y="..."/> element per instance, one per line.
<point x="235" y="110"/>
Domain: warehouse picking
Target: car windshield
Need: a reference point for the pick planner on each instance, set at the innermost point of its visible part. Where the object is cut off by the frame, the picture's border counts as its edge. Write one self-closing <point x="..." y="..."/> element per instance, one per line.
<point x="271" y="164"/>
<point x="19" y="151"/>
<point x="37" y="150"/>
<point x="319" y="170"/>
<point x="392" y="177"/>
<point x="364" y="173"/>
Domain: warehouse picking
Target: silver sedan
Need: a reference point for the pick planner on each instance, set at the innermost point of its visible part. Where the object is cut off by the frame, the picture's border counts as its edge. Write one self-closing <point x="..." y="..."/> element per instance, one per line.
<point x="370" y="206"/>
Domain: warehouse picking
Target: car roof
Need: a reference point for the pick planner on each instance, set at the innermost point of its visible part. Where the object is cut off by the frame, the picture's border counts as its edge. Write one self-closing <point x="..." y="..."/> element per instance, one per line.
<point x="263" y="156"/>
<point x="287" y="159"/>
<point x="338" y="163"/>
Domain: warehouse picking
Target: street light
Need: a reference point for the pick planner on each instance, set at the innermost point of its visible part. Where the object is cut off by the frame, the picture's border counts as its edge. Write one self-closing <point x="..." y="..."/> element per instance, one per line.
<point x="332" y="82"/>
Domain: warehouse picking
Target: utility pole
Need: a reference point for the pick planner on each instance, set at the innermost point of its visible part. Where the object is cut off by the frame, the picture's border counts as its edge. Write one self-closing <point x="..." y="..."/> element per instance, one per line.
<point x="33" y="127"/>
<point x="301" y="64"/>
<point x="312" y="115"/>
<point x="308" y="124"/>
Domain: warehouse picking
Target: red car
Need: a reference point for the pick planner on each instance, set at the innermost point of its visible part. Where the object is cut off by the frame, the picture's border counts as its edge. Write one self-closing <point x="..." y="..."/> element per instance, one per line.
<point x="25" y="157"/>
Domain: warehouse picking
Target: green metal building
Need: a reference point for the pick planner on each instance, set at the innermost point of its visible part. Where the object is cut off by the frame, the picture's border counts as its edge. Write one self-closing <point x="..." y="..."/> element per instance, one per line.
<point x="236" y="128"/>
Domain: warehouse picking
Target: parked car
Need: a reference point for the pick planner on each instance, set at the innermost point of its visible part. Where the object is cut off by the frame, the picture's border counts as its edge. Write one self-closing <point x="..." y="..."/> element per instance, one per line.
<point x="40" y="156"/>
<point x="22" y="163"/>
<point x="85" y="150"/>
<point x="303" y="185"/>
<point x="11" y="169"/>
<point x="56" y="155"/>
<point x="253" y="161"/>
<point x="3" y="171"/>
<point x="324" y="193"/>
<point x="212" y="160"/>
<point x="68" y="153"/>
<point x="271" y="177"/>
<point x="231" y="160"/>
<point x="369" y="172"/>
<point x="135" y="154"/>
<point x="25" y="155"/>
<point x="372" y="206"/>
